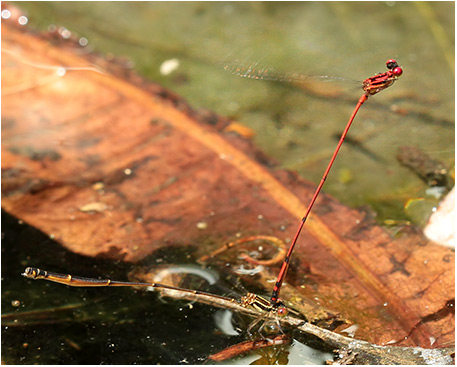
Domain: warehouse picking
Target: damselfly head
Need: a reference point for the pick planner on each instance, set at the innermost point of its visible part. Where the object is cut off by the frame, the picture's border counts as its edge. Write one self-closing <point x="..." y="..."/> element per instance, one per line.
<point x="392" y="65"/>
<point x="282" y="311"/>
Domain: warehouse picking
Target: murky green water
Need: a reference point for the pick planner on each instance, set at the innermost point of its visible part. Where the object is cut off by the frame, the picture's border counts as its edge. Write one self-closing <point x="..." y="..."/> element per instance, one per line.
<point x="295" y="125"/>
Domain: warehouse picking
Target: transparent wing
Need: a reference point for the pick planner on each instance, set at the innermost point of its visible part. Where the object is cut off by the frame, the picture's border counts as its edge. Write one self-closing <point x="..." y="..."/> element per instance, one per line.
<point x="262" y="72"/>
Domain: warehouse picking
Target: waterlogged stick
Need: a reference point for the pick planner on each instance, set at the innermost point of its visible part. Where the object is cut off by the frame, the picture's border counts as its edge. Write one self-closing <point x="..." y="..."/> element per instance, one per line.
<point x="251" y="303"/>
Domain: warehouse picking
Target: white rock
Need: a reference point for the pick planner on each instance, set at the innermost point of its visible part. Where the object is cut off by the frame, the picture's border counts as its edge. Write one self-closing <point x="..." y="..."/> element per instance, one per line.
<point x="441" y="225"/>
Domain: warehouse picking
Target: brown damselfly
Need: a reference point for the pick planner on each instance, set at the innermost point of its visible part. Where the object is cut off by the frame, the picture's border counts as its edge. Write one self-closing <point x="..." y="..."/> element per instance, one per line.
<point x="250" y="302"/>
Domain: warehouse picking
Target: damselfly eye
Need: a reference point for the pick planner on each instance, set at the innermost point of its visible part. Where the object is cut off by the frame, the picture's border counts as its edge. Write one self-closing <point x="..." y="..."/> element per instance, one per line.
<point x="282" y="311"/>
<point x="391" y="64"/>
<point x="397" y="71"/>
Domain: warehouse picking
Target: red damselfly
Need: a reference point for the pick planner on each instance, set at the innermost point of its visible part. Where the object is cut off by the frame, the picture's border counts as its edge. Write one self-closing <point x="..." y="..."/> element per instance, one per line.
<point x="371" y="86"/>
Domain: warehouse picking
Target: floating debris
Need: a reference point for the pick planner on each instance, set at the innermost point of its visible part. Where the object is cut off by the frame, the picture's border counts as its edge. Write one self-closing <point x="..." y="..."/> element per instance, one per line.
<point x="433" y="172"/>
